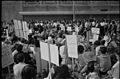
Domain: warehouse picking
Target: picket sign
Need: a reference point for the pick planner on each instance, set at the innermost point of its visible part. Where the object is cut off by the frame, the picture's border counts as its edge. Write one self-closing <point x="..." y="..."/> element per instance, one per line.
<point x="50" y="77"/>
<point x="16" y="28"/>
<point x="7" y="59"/>
<point x="71" y="43"/>
<point x="6" y="56"/>
<point x="49" y="53"/>
<point x="95" y="30"/>
<point x="21" y="29"/>
<point x="95" y="34"/>
<point x="72" y="46"/>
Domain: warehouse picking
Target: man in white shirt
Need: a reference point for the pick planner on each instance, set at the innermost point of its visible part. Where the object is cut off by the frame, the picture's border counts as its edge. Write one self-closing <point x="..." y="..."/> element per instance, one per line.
<point x="17" y="68"/>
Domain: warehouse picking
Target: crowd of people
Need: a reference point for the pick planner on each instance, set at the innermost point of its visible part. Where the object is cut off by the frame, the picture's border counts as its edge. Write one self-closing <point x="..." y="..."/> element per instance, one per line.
<point x="96" y="60"/>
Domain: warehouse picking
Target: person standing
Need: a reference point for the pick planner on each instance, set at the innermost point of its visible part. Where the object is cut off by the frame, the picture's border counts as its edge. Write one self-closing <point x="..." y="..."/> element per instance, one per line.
<point x="17" y="68"/>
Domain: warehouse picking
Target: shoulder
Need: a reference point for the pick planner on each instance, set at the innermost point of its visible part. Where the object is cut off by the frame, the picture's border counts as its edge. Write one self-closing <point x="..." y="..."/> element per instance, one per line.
<point x="15" y="66"/>
<point x="93" y="75"/>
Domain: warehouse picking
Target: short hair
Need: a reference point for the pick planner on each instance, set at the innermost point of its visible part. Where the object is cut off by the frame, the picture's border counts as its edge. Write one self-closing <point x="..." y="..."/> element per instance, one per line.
<point x="110" y="49"/>
<point x="80" y="49"/>
<point x="23" y="40"/>
<point x="102" y="42"/>
<point x="18" y="47"/>
<point x="62" y="72"/>
<point x="90" y="66"/>
<point x="97" y="43"/>
<point x="14" y="39"/>
<point x="19" y="57"/>
<point x="103" y="49"/>
<point x="28" y="72"/>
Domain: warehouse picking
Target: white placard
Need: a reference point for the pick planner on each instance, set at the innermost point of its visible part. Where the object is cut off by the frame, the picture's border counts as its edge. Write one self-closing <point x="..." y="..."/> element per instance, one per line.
<point x="15" y="24"/>
<point x="54" y="54"/>
<point x="44" y="51"/>
<point x="25" y="30"/>
<point x="6" y="56"/>
<point x="19" y="24"/>
<point x="95" y="30"/>
<point x="21" y="34"/>
<point x="23" y="25"/>
<point x="16" y="28"/>
<point x="72" y="46"/>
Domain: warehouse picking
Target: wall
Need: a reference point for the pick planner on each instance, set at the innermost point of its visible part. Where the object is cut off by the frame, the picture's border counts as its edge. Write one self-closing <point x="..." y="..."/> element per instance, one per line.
<point x="10" y="10"/>
<point x="68" y="5"/>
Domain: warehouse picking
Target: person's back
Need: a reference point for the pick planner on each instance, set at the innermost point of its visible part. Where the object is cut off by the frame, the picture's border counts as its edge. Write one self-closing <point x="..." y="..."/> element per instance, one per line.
<point x="81" y="61"/>
<point x="104" y="60"/>
<point x="17" y="68"/>
<point x="89" y="56"/>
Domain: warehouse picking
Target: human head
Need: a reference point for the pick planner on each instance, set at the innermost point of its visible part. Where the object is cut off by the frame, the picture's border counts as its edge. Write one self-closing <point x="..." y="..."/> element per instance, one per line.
<point x="102" y="42"/>
<point x="28" y="72"/>
<point x="14" y="39"/>
<point x="80" y="49"/>
<point x="96" y="43"/>
<point x="62" y="73"/>
<point x="18" y="47"/>
<point x="92" y="65"/>
<point x="19" y="57"/>
<point x="111" y="49"/>
<point x="103" y="50"/>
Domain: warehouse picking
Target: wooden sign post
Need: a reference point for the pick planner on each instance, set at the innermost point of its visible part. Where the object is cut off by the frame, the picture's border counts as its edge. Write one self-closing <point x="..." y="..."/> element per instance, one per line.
<point x="49" y="61"/>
